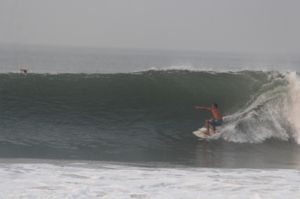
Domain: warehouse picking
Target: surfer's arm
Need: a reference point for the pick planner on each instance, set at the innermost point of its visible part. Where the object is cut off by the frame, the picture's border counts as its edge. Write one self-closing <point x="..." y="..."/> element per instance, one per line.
<point x="203" y="108"/>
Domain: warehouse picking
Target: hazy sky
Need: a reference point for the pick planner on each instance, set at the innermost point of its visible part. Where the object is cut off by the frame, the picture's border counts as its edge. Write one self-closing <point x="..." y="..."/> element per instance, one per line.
<point x="268" y="26"/>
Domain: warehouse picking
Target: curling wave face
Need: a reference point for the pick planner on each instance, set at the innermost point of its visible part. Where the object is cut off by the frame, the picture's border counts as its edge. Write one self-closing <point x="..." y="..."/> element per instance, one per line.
<point x="272" y="112"/>
<point x="102" y="116"/>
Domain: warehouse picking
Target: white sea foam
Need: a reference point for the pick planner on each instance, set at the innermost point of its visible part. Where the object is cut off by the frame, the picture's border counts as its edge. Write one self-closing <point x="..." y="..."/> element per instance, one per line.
<point x="215" y="69"/>
<point x="273" y="113"/>
<point x="32" y="180"/>
<point x="183" y="68"/>
<point x="294" y="111"/>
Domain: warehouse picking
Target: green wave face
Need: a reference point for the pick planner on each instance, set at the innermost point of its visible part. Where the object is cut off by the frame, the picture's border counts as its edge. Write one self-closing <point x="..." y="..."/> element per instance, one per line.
<point x="96" y="113"/>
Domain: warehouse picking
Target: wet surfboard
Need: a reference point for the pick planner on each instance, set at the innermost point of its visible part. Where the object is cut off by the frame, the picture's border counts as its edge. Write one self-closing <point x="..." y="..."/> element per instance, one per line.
<point x="202" y="133"/>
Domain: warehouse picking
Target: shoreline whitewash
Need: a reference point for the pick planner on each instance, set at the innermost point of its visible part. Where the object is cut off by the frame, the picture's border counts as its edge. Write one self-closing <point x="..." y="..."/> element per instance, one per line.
<point x="104" y="180"/>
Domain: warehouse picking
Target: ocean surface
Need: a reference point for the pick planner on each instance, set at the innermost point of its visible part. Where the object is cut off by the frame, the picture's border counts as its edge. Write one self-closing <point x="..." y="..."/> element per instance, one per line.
<point x="122" y="120"/>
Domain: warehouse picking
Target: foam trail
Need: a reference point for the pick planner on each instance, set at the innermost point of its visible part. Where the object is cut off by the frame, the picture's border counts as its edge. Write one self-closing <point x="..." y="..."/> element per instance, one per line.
<point x="268" y="114"/>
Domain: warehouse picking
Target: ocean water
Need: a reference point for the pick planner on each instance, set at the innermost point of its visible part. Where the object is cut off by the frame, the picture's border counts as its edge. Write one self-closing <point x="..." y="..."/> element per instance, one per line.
<point x="119" y="122"/>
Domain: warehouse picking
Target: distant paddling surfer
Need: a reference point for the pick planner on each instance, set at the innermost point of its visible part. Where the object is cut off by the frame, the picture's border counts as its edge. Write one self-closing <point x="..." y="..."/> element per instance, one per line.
<point x="217" y="119"/>
<point x="24" y="71"/>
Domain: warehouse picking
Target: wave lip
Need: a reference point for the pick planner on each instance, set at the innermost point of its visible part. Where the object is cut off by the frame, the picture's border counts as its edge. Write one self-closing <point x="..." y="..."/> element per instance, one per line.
<point x="179" y="68"/>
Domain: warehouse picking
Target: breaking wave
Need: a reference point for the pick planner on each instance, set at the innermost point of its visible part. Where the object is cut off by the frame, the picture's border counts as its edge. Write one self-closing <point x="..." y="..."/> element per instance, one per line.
<point x="105" y="115"/>
<point x="273" y="112"/>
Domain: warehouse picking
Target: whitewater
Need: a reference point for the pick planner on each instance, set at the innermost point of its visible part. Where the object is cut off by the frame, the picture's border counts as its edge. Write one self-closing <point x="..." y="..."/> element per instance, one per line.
<point x="113" y="123"/>
<point x="94" y="180"/>
<point x="275" y="113"/>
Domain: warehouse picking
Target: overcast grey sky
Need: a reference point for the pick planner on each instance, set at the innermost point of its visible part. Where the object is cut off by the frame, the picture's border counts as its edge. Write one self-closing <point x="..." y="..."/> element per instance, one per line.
<point x="267" y="26"/>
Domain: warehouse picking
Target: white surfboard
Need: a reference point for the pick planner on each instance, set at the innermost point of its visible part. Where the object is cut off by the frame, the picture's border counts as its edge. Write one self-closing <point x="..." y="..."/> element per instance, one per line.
<point x="202" y="133"/>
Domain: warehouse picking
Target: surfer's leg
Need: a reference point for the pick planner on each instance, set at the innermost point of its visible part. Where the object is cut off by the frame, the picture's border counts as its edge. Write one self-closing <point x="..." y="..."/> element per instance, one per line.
<point x="209" y="125"/>
<point x="214" y="129"/>
<point x="213" y="126"/>
<point x="206" y="124"/>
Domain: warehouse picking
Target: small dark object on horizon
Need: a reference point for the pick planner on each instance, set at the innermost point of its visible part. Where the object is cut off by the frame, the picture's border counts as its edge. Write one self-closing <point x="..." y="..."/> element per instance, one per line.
<point x="24" y="71"/>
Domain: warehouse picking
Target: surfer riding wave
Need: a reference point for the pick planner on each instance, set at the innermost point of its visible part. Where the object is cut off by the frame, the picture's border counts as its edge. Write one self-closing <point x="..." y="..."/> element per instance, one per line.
<point x="217" y="119"/>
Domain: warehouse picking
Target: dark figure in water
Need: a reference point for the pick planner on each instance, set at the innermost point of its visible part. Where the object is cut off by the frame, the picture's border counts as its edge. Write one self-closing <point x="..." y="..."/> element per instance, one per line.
<point x="216" y="120"/>
<point x="24" y="71"/>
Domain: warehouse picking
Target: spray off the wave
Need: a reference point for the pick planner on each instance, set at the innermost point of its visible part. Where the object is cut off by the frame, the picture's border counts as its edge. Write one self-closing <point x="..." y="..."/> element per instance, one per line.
<point x="294" y="111"/>
<point x="272" y="112"/>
